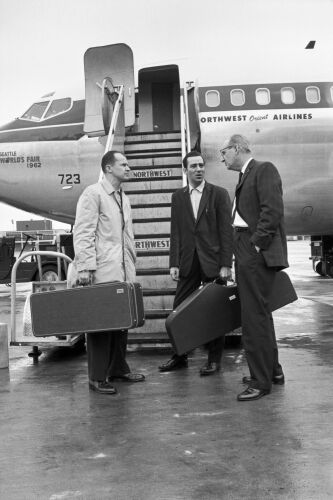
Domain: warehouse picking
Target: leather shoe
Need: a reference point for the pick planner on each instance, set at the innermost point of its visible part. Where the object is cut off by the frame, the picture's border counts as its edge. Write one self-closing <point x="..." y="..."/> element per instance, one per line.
<point x="128" y="377"/>
<point x="175" y="363"/>
<point x="251" y="394"/>
<point x="209" y="369"/>
<point x="277" y="379"/>
<point x="102" y="387"/>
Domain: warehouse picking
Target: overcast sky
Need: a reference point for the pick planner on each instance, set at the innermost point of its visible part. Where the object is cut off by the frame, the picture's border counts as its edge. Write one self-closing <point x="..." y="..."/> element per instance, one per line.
<point x="42" y="42"/>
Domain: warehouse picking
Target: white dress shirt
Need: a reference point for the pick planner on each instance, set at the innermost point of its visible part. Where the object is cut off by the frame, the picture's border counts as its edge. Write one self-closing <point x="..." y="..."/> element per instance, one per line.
<point x="196" y="193"/>
<point x="237" y="219"/>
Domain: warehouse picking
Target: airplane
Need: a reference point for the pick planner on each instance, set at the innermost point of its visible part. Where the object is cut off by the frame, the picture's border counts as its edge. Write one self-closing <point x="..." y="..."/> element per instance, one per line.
<point x="155" y="114"/>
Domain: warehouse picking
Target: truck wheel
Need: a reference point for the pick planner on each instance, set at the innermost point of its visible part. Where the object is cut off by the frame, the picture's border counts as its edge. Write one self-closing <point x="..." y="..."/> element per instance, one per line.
<point x="319" y="269"/>
<point x="49" y="273"/>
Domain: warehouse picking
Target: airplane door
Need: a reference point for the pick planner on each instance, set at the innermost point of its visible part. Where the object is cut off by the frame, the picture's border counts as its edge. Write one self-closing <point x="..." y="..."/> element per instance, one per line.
<point x="106" y="68"/>
<point x="162" y="104"/>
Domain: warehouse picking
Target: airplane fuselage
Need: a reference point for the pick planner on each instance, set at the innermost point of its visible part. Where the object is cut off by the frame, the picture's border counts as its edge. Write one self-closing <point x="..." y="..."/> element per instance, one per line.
<point x="44" y="166"/>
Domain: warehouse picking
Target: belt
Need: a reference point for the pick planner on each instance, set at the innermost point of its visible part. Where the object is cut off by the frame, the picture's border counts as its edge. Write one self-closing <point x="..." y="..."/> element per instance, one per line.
<point x="240" y="228"/>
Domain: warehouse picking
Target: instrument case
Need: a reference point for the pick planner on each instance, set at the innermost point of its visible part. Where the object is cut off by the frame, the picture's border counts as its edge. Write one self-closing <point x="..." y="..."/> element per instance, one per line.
<point x="214" y="310"/>
<point x="103" y="307"/>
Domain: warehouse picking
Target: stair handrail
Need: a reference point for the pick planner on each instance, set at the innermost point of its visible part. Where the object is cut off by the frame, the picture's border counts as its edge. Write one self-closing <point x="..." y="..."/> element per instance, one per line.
<point x="185" y="127"/>
<point x="187" y="121"/>
<point x="113" y="124"/>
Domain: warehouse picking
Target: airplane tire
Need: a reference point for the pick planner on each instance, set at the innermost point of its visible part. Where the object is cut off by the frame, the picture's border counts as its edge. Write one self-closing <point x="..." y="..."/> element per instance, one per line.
<point x="319" y="269"/>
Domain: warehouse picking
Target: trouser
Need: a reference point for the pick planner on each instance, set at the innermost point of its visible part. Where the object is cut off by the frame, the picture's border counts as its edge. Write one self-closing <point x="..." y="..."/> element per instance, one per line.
<point x="106" y="355"/>
<point x="185" y="287"/>
<point x="255" y="282"/>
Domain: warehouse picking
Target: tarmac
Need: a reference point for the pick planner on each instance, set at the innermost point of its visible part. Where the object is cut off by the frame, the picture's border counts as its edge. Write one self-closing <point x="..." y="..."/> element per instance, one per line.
<point x="177" y="436"/>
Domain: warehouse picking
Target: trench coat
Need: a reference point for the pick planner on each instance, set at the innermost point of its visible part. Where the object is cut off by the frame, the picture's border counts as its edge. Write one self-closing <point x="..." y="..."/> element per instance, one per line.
<point x="103" y="237"/>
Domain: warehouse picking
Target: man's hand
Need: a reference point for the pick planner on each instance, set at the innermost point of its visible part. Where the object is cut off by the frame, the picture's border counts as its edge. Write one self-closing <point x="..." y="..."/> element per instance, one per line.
<point x="225" y="273"/>
<point x="257" y="248"/>
<point x="174" y="273"/>
<point x="85" y="278"/>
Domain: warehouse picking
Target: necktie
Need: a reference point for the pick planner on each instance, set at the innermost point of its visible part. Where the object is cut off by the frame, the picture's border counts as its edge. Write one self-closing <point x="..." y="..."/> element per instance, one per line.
<point x="119" y="199"/>
<point x="240" y="177"/>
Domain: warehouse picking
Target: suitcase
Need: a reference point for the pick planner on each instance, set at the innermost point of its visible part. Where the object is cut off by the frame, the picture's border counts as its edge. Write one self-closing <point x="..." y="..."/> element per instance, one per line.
<point x="103" y="307"/>
<point x="214" y="310"/>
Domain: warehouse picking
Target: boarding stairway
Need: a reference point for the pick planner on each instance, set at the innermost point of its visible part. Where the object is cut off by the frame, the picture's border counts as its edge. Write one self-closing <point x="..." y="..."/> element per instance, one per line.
<point x="155" y="161"/>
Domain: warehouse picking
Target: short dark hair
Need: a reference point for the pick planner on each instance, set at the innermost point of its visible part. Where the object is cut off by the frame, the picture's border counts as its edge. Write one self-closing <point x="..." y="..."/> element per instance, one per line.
<point x="189" y="155"/>
<point x="109" y="159"/>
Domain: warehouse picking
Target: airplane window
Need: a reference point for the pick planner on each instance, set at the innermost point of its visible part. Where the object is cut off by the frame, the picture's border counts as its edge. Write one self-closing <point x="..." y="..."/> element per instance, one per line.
<point x="212" y="98"/>
<point x="237" y="97"/>
<point x="288" y="95"/>
<point x="263" y="97"/>
<point x="58" y="106"/>
<point x="312" y="95"/>
<point x="36" y="111"/>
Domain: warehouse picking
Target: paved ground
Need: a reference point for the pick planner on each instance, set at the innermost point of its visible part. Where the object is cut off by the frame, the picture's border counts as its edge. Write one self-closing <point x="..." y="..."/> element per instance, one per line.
<point x="177" y="436"/>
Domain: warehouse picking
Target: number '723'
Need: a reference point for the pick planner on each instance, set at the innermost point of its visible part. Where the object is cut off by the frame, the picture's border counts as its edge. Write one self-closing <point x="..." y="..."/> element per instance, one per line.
<point x="69" y="178"/>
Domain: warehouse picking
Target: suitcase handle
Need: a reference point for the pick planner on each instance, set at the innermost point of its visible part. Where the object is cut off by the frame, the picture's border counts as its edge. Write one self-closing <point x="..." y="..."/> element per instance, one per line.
<point x="223" y="282"/>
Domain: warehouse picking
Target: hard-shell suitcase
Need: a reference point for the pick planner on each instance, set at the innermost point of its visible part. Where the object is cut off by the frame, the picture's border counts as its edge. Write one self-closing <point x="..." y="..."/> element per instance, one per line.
<point x="103" y="307"/>
<point x="214" y="310"/>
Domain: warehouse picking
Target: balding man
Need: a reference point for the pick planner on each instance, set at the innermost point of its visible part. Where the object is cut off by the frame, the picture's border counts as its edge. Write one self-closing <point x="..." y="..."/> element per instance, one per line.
<point x="104" y="251"/>
<point x="260" y="248"/>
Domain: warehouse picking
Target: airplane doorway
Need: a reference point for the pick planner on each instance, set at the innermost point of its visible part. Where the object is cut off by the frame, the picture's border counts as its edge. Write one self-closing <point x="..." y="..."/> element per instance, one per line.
<point x="159" y="93"/>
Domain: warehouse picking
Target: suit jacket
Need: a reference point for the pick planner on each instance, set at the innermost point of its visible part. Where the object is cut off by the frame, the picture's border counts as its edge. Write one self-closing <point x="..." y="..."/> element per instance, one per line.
<point x="210" y="235"/>
<point x="259" y="202"/>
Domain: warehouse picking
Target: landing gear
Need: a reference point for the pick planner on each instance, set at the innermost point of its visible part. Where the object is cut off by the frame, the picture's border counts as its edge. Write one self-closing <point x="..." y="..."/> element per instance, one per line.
<point x="322" y="255"/>
<point x="35" y="354"/>
<point x="319" y="268"/>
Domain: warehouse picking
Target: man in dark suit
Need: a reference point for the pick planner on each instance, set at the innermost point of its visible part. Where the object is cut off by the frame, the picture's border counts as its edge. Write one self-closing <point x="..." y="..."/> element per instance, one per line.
<point x="260" y="248"/>
<point x="200" y="245"/>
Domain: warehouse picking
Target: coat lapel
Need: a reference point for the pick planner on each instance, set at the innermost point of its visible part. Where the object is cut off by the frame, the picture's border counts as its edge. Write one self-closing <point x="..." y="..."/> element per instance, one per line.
<point x="204" y="200"/>
<point x="247" y="171"/>
<point x="188" y="203"/>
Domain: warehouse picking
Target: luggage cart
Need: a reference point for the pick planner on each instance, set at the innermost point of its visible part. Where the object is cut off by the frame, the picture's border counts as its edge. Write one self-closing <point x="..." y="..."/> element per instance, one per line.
<point x="29" y="339"/>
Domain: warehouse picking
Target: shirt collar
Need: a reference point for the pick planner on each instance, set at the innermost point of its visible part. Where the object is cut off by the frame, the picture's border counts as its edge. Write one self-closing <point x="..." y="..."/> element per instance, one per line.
<point x="198" y="188"/>
<point x="245" y="165"/>
<point x="108" y="186"/>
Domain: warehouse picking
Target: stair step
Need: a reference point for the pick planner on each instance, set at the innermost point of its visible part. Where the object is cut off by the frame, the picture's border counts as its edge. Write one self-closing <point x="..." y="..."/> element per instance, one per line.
<point x="139" y="198"/>
<point x="153" y="148"/>
<point x="157" y="313"/>
<point x="153" y="271"/>
<point x="149" y="259"/>
<point x="151" y="327"/>
<point x="155" y="280"/>
<point x="155" y="179"/>
<point x="171" y="161"/>
<point x="150" y="292"/>
<point x="151" y="212"/>
<point x="155" y="172"/>
<point x="152" y="236"/>
<point x="150" y="206"/>
<point x="151" y="228"/>
<point x="152" y="136"/>
<point x="156" y="163"/>
<point x="153" y="185"/>
<point x="137" y="337"/>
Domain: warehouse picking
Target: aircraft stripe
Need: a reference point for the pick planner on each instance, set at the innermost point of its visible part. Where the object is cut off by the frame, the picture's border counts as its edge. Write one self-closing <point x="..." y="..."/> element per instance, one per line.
<point x="41" y="126"/>
<point x="64" y="132"/>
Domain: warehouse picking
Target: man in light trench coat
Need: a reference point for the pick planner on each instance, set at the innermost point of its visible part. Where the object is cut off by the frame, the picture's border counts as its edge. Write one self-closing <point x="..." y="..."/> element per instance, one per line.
<point x="105" y="251"/>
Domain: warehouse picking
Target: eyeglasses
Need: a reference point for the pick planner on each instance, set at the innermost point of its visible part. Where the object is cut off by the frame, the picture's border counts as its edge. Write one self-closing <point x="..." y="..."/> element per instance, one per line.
<point x="224" y="150"/>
